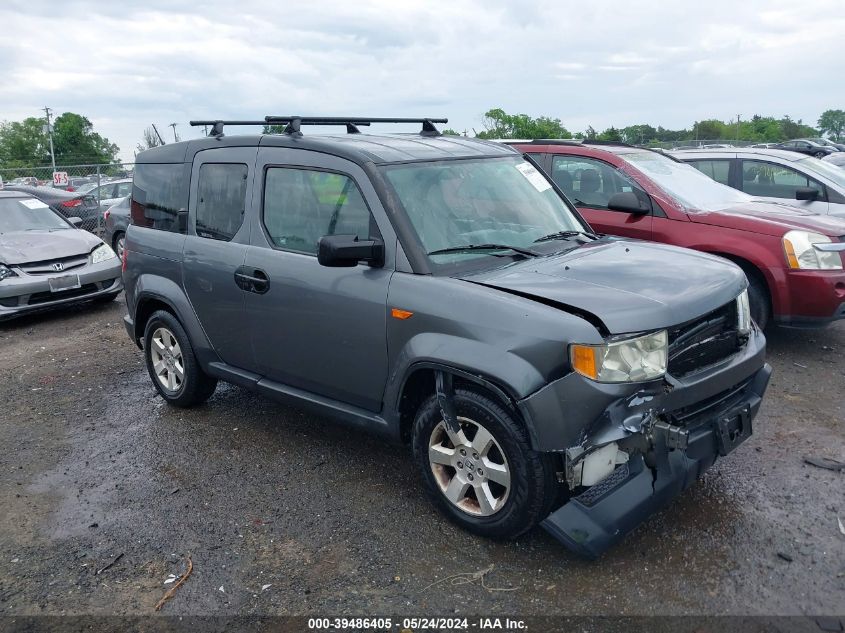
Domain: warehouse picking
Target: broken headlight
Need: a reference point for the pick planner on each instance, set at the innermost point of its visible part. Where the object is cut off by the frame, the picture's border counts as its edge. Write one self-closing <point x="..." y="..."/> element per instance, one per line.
<point x="743" y="313"/>
<point x="627" y="360"/>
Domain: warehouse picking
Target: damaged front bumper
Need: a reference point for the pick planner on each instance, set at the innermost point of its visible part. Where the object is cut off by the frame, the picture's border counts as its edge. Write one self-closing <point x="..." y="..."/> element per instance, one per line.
<point x="669" y="432"/>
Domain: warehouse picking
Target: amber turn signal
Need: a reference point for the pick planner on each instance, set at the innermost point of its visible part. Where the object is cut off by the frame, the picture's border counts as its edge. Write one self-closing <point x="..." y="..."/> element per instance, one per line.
<point x="396" y="313"/>
<point x="583" y="359"/>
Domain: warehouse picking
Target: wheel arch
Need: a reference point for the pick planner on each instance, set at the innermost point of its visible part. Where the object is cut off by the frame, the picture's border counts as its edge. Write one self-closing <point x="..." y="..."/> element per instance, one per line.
<point x="419" y="383"/>
<point x="750" y="268"/>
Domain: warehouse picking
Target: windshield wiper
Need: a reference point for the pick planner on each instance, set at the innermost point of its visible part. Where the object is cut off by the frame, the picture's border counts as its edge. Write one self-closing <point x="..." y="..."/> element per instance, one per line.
<point x="563" y="235"/>
<point x="486" y="247"/>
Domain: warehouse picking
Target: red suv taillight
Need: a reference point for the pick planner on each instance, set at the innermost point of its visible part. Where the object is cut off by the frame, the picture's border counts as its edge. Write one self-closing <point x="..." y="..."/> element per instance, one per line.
<point x="107" y="214"/>
<point x="72" y="203"/>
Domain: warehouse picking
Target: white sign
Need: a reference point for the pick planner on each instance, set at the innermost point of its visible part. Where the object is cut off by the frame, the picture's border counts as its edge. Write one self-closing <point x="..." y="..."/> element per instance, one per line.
<point x="533" y="176"/>
<point x="60" y="179"/>
<point x="32" y="203"/>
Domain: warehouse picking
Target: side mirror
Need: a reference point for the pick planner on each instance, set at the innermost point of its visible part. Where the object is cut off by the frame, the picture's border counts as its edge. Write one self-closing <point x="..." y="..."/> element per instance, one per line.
<point x="76" y="221"/>
<point x="627" y="202"/>
<point x="806" y="193"/>
<point x="345" y="251"/>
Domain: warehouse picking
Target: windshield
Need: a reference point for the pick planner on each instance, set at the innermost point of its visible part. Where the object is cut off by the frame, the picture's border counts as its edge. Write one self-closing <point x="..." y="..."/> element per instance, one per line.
<point x="458" y="203"/>
<point x="28" y="214"/>
<point x="826" y="169"/>
<point x="685" y="183"/>
<point x="88" y="186"/>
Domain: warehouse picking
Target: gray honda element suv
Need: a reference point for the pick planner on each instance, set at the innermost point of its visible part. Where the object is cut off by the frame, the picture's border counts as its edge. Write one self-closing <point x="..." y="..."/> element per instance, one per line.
<point x="442" y="292"/>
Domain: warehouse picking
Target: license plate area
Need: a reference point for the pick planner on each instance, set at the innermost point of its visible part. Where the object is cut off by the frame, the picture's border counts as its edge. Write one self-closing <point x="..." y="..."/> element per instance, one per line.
<point x="65" y="282"/>
<point x="733" y="429"/>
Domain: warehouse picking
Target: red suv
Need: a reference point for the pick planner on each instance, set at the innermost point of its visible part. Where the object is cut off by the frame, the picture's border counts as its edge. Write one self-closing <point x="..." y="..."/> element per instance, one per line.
<point x="793" y="259"/>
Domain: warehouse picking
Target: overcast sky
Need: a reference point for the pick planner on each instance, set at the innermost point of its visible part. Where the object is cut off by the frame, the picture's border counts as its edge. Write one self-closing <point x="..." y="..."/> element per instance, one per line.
<point x="599" y="63"/>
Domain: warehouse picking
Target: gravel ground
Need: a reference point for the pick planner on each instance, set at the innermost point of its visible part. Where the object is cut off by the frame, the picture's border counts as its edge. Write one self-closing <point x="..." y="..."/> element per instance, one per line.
<point x="285" y="513"/>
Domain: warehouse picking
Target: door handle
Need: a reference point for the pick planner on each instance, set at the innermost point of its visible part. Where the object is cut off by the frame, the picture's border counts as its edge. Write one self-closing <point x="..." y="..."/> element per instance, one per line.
<point x="252" y="280"/>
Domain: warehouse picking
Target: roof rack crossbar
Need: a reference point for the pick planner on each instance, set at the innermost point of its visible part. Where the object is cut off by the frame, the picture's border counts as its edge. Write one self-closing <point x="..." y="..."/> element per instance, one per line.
<point x="295" y="122"/>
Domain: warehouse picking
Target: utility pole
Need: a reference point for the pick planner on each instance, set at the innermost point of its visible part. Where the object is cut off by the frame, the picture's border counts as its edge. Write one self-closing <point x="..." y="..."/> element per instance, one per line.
<point x="737" y="129"/>
<point x="47" y="111"/>
<point x="175" y="137"/>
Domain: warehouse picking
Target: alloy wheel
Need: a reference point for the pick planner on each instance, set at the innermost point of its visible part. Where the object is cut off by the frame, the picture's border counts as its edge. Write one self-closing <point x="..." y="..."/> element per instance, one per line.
<point x="470" y="467"/>
<point x="168" y="363"/>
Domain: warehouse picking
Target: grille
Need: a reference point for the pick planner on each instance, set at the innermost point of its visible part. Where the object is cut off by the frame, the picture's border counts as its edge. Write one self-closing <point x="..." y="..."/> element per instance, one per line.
<point x="46" y="297"/>
<point x="705" y="341"/>
<point x="46" y="267"/>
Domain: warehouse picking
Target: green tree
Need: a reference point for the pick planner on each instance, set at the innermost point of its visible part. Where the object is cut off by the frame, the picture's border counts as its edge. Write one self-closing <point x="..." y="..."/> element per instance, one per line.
<point x="500" y="124"/>
<point x="611" y="134"/>
<point x="26" y="143"/>
<point x="832" y="123"/>
<point x="639" y="134"/>
<point x="75" y="141"/>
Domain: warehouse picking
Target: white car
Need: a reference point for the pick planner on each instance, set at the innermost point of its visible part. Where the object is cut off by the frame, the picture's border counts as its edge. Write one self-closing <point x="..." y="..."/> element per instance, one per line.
<point x="110" y="193"/>
<point x="775" y="175"/>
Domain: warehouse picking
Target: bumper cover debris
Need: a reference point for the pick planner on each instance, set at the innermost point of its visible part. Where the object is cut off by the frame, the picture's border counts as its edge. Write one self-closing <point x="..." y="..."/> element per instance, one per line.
<point x="593" y="521"/>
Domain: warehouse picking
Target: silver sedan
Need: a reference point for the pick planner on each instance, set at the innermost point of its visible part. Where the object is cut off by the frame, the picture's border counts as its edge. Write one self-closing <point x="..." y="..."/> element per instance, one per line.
<point x="47" y="262"/>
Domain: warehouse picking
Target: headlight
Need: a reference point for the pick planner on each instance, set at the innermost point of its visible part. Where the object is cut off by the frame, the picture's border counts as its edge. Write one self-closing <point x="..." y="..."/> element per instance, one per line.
<point x="798" y="246"/>
<point x="5" y="271"/>
<point x="629" y="360"/>
<point x="743" y="313"/>
<point x="102" y="253"/>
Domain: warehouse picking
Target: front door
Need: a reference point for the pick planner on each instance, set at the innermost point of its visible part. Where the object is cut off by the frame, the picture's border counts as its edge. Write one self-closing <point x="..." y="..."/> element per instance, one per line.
<point x="590" y="183"/>
<point x="215" y="247"/>
<point x="315" y="328"/>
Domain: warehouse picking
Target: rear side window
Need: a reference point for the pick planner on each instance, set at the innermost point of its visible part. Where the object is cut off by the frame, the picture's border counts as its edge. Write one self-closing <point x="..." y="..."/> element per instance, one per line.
<point x="303" y="205"/>
<point x="221" y="196"/>
<point x="159" y="194"/>
<point x="718" y="170"/>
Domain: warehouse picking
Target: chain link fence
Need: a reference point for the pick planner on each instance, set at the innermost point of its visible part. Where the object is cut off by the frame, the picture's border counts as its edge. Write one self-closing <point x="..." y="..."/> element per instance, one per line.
<point x="97" y="187"/>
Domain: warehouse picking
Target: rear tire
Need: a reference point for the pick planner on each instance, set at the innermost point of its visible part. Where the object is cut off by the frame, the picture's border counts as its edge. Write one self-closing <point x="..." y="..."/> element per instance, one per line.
<point x="118" y="243"/>
<point x="519" y="486"/>
<point x="171" y="362"/>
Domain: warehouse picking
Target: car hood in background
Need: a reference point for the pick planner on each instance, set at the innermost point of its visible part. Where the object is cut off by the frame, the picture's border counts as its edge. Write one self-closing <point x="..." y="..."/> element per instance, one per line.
<point x="629" y="286"/>
<point x="771" y="218"/>
<point x="24" y="247"/>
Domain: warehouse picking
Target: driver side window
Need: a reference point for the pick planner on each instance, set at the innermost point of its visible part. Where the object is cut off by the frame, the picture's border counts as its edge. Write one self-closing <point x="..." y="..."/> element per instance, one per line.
<point x="588" y="182"/>
<point x="303" y="205"/>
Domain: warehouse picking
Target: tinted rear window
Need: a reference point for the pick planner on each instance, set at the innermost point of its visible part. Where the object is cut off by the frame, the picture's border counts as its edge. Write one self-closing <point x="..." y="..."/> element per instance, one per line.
<point x="159" y="193"/>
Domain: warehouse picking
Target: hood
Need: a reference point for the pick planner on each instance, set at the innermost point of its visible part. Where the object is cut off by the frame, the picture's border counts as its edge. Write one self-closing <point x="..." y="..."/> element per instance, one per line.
<point x="771" y="218"/>
<point x="629" y="286"/>
<point x="25" y="247"/>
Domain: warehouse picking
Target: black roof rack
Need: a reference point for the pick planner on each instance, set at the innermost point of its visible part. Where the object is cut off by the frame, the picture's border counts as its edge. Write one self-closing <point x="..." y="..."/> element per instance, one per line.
<point x="293" y="123"/>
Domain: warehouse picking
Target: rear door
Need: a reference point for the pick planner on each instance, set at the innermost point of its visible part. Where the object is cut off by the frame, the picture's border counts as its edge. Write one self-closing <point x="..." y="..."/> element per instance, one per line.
<point x="590" y="183"/>
<point x="215" y="247"/>
<point x="319" y="329"/>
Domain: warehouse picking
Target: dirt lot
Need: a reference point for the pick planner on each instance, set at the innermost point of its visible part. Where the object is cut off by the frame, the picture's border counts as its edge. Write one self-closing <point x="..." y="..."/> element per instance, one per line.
<point x="94" y="466"/>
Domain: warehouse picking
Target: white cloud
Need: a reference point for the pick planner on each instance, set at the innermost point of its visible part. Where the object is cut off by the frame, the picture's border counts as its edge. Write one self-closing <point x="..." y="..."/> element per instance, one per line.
<point x="125" y="65"/>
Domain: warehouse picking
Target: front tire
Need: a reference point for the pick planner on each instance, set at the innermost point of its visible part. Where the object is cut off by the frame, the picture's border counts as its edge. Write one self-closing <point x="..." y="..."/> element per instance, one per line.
<point x="119" y="243"/>
<point x="171" y="362"/>
<point x="758" y="298"/>
<point x="485" y="478"/>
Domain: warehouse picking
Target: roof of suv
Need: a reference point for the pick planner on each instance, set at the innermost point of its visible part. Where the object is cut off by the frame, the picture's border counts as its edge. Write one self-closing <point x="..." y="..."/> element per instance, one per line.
<point x="359" y="148"/>
<point x="761" y="151"/>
